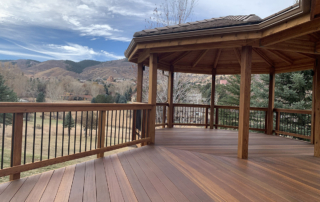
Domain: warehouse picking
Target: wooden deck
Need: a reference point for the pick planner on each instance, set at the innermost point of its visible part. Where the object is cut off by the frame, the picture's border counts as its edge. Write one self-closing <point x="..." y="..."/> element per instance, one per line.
<point x="184" y="165"/>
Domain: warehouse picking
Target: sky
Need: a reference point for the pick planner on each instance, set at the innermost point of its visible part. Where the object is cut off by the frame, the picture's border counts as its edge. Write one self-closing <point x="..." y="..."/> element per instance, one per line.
<point x="95" y="29"/>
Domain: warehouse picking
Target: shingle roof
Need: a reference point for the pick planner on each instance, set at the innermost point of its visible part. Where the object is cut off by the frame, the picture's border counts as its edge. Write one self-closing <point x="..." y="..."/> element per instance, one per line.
<point x="227" y="21"/>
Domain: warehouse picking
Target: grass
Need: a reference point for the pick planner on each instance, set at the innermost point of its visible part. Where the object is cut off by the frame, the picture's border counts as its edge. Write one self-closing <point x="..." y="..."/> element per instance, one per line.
<point x="52" y="144"/>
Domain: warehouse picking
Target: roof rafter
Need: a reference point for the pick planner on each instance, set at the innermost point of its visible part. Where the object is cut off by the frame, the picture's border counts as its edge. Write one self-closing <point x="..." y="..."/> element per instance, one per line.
<point x="180" y="57"/>
<point x="263" y="56"/>
<point x="202" y="54"/>
<point x="299" y="30"/>
<point x="216" y="60"/>
<point x="144" y="55"/>
<point x="238" y="55"/>
<point x="282" y="56"/>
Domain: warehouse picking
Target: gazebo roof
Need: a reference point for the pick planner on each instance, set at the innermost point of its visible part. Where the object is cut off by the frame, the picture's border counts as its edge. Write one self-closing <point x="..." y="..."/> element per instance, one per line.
<point x="286" y="41"/>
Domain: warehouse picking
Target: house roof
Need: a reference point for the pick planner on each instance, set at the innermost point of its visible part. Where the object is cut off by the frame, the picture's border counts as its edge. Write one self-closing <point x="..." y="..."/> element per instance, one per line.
<point x="203" y="24"/>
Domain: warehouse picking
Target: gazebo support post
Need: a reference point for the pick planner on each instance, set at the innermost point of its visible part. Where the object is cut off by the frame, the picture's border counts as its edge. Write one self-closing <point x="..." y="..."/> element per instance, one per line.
<point x="271" y="101"/>
<point x="139" y="82"/>
<point x="152" y="98"/>
<point x="316" y="108"/>
<point x="170" y="97"/>
<point x="244" y="105"/>
<point x="213" y="89"/>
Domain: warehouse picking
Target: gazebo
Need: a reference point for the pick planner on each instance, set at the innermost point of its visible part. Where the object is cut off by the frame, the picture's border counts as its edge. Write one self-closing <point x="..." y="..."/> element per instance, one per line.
<point x="287" y="41"/>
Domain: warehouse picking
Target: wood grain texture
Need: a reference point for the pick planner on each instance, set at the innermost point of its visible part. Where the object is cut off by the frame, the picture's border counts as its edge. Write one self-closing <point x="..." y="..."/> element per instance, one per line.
<point x="185" y="164"/>
<point x="17" y="143"/>
<point x="244" y="103"/>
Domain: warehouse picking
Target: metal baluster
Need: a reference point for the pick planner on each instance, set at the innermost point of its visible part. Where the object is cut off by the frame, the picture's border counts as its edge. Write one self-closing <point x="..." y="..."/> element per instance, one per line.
<point x="75" y="133"/>
<point x="86" y="137"/>
<point x="55" y="149"/>
<point x="97" y="115"/>
<point x="3" y="134"/>
<point x="107" y="128"/>
<point x="34" y="135"/>
<point x="81" y="119"/>
<point x="49" y="141"/>
<point x="63" y="123"/>
<point x="111" y="127"/>
<point x="12" y="139"/>
<point x="69" y="130"/>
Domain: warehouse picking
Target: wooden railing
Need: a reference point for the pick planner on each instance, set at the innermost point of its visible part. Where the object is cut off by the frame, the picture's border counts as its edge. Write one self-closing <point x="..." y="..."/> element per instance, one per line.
<point x="42" y="134"/>
<point x="161" y="114"/>
<point x="287" y="122"/>
<point x="296" y="123"/>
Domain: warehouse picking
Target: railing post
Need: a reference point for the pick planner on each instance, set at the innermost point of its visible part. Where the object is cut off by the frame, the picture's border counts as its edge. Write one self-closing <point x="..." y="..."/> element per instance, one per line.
<point x="217" y="117"/>
<point x="17" y="143"/>
<point x="134" y="117"/>
<point x="143" y="129"/>
<point x="101" y="131"/>
<point x="164" y="116"/>
<point x="277" y="122"/>
<point x="207" y="116"/>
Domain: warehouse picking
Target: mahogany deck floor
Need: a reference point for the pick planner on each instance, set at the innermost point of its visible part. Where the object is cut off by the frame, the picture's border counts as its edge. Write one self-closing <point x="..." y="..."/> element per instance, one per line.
<point x="184" y="165"/>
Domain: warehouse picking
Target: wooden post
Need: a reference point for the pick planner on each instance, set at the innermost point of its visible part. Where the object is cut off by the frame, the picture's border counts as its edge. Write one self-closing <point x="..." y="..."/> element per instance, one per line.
<point x="101" y="131"/>
<point x="244" y="106"/>
<point x="134" y="119"/>
<point x="139" y="82"/>
<point x="164" y="116"/>
<point x="152" y="98"/>
<point x="17" y="143"/>
<point x="313" y="106"/>
<point x="217" y="118"/>
<point x="213" y="90"/>
<point x="316" y="108"/>
<point x="207" y="116"/>
<point x="170" y="97"/>
<point x="271" y="101"/>
<point x="278" y="122"/>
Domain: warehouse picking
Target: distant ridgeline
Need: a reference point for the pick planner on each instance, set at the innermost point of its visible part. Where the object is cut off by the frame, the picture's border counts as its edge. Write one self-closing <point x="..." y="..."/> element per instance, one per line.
<point x="78" y="67"/>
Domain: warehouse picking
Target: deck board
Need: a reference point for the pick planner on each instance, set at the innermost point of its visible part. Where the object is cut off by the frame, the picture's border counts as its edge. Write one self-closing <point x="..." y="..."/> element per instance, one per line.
<point x="184" y="165"/>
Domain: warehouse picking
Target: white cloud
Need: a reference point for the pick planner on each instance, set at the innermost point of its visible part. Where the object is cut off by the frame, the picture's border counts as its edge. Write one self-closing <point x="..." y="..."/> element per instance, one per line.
<point x="69" y="51"/>
<point x="96" y="18"/>
<point x="23" y="55"/>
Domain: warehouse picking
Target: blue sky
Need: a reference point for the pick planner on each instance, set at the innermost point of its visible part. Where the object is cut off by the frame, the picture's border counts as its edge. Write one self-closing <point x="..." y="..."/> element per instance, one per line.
<point x="95" y="29"/>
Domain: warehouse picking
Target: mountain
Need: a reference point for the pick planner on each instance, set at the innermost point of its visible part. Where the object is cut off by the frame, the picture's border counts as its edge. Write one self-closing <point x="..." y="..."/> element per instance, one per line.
<point x="86" y="69"/>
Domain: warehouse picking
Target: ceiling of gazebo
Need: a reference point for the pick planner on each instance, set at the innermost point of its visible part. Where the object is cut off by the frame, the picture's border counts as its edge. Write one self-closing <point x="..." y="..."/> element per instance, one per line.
<point x="290" y="45"/>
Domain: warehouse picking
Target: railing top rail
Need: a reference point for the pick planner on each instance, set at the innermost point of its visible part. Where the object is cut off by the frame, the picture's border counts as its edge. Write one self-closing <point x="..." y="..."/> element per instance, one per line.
<point x="191" y="105"/>
<point x="7" y="107"/>
<point x="236" y="107"/>
<point x="296" y="111"/>
<point x="162" y="104"/>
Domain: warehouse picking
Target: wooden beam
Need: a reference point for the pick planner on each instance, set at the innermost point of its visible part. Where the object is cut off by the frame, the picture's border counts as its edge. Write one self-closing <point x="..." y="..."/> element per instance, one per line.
<point x="317" y="49"/>
<point x="166" y="55"/>
<point x="143" y="56"/>
<point x="202" y="54"/>
<point x="238" y="55"/>
<point x="315" y="9"/>
<point x="170" y="97"/>
<point x="316" y="109"/>
<point x="180" y="57"/>
<point x="290" y="47"/>
<point x="216" y="60"/>
<point x="152" y="98"/>
<point x="139" y="82"/>
<point x="17" y="144"/>
<point x="309" y="55"/>
<point x="272" y="84"/>
<point x="193" y="47"/>
<point x="294" y="32"/>
<point x="213" y="90"/>
<point x="263" y="56"/>
<point x="281" y="56"/>
<point x="244" y="105"/>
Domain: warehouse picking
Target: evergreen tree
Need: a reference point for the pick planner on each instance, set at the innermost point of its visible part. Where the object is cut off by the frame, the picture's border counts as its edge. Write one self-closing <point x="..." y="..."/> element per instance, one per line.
<point x="68" y="121"/>
<point x="122" y="99"/>
<point x="103" y="99"/>
<point x="6" y="95"/>
<point x="41" y="97"/>
<point x="117" y="98"/>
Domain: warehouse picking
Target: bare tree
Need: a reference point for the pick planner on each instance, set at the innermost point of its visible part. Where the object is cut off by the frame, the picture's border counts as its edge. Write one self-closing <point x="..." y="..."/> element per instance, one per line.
<point x="77" y="88"/>
<point x="170" y="12"/>
<point x="54" y="90"/>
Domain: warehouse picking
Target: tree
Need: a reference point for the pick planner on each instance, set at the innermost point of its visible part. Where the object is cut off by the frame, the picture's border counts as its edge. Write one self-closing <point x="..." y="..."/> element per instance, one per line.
<point x="122" y="99"/>
<point x="54" y="90"/>
<point x="103" y="99"/>
<point x="6" y="95"/>
<point x="170" y="13"/>
<point x="41" y="97"/>
<point x="68" y="121"/>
